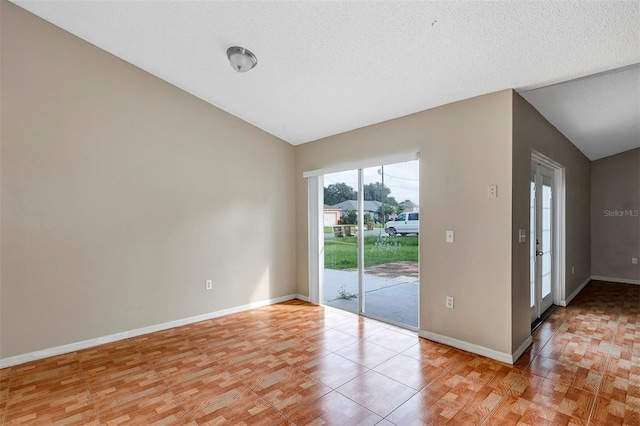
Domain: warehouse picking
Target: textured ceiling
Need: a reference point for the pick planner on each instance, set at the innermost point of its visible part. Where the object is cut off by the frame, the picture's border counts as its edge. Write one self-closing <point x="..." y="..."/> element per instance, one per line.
<point x="328" y="67"/>
<point x="600" y="113"/>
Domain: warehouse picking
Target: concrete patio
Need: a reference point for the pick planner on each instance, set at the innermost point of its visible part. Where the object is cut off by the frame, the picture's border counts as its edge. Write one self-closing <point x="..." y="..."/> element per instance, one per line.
<point x="390" y="291"/>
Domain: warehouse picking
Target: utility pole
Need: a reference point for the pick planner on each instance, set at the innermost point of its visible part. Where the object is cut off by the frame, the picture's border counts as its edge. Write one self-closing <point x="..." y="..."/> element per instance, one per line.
<point x="381" y="172"/>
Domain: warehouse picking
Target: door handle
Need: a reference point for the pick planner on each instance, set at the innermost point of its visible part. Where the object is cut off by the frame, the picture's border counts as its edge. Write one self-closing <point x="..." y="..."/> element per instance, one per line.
<point x="539" y="253"/>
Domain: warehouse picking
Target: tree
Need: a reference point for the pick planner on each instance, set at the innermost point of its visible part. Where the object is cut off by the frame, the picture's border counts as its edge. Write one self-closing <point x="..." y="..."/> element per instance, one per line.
<point x="338" y="192"/>
<point x="368" y="218"/>
<point x="373" y="192"/>
<point x="350" y="217"/>
<point x="388" y="210"/>
<point x="400" y="207"/>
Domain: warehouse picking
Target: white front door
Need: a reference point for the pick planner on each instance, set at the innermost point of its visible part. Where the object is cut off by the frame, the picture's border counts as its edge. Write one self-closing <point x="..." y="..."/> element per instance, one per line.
<point x="541" y="239"/>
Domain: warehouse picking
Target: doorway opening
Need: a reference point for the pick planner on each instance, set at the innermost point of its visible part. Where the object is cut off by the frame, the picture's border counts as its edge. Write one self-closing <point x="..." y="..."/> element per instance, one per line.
<point x="371" y="248"/>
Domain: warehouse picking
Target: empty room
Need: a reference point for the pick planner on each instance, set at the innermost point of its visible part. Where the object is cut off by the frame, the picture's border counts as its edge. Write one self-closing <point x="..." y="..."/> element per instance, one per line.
<point x="303" y="213"/>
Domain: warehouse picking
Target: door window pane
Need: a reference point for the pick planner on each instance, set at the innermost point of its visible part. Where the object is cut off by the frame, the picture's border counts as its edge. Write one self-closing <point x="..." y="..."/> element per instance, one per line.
<point x="532" y="243"/>
<point x="340" y="287"/>
<point x="546" y="240"/>
<point x="391" y="258"/>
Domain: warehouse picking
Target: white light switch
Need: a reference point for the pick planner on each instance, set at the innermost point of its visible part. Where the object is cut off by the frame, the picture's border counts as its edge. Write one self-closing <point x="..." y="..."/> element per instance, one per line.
<point x="449" y="236"/>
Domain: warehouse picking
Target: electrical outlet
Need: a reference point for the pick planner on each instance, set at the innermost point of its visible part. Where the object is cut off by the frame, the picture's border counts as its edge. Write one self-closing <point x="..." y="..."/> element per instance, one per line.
<point x="634" y="260"/>
<point x="493" y="191"/>
<point x="208" y="285"/>
<point x="449" y="302"/>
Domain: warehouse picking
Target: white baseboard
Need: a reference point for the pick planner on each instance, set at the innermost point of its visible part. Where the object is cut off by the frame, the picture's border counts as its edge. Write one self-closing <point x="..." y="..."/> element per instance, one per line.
<point x="302" y="297"/>
<point x="596" y="278"/>
<point x="572" y="296"/>
<point x="59" y="350"/>
<point x="469" y="347"/>
<point x="616" y="280"/>
<point x="523" y="347"/>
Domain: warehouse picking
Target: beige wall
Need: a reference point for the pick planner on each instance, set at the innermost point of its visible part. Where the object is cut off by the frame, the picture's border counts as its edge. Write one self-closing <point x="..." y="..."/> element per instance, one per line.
<point x="464" y="147"/>
<point x="532" y="132"/>
<point x="615" y="223"/>
<point x="121" y="194"/>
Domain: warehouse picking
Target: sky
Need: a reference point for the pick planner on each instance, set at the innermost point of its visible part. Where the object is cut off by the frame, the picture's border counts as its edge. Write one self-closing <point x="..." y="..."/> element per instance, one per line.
<point x="401" y="178"/>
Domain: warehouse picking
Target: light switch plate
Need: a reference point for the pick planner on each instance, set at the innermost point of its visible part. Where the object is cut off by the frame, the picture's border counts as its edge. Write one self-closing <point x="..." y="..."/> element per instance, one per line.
<point x="449" y="236"/>
<point x="522" y="235"/>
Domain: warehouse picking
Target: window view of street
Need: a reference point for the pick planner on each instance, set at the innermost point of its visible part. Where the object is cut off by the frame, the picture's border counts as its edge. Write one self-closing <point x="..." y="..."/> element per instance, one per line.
<point x="390" y="249"/>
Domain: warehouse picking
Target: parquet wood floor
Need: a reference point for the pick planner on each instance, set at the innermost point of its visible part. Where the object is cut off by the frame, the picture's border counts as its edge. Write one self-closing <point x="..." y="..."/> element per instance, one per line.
<point x="298" y="364"/>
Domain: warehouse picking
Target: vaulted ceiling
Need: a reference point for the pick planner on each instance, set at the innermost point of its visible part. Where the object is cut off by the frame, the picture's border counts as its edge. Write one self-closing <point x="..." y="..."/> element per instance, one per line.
<point x="329" y="67"/>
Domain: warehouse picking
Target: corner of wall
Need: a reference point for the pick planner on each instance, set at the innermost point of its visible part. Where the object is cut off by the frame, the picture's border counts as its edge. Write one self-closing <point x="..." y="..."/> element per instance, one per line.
<point x="615" y="217"/>
<point x="532" y="132"/>
<point x="521" y="165"/>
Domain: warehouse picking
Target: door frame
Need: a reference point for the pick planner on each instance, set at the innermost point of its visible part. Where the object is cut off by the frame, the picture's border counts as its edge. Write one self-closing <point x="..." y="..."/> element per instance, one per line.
<point x="541" y="177"/>
<point x="559" y="226"/>
<point x="315" y="226"/>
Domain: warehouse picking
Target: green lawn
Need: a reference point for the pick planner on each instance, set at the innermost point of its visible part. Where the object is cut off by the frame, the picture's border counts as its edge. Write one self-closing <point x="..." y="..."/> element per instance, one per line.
<point x="342" y="253"/>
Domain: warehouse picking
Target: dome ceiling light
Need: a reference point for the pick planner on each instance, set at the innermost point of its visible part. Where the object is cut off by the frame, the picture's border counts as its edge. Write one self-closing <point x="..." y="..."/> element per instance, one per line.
<point x="241" y="59"/>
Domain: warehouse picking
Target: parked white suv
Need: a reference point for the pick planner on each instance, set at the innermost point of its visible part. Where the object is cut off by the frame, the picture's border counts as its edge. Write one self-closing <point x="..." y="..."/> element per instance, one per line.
<point x="405" y="223"/>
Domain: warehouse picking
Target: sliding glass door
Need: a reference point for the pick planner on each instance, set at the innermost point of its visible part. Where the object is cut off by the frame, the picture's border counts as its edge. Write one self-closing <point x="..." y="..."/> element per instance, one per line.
<point x="371" y="233"/>
<point x="340" y="242"/>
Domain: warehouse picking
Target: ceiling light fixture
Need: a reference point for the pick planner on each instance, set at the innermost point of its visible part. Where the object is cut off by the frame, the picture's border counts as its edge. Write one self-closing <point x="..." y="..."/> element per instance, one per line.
<point x="241" y="59"/>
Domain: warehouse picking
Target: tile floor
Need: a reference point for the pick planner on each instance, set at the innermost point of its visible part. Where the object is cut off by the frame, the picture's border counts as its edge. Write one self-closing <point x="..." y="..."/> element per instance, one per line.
<point x="294" y="363"/>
